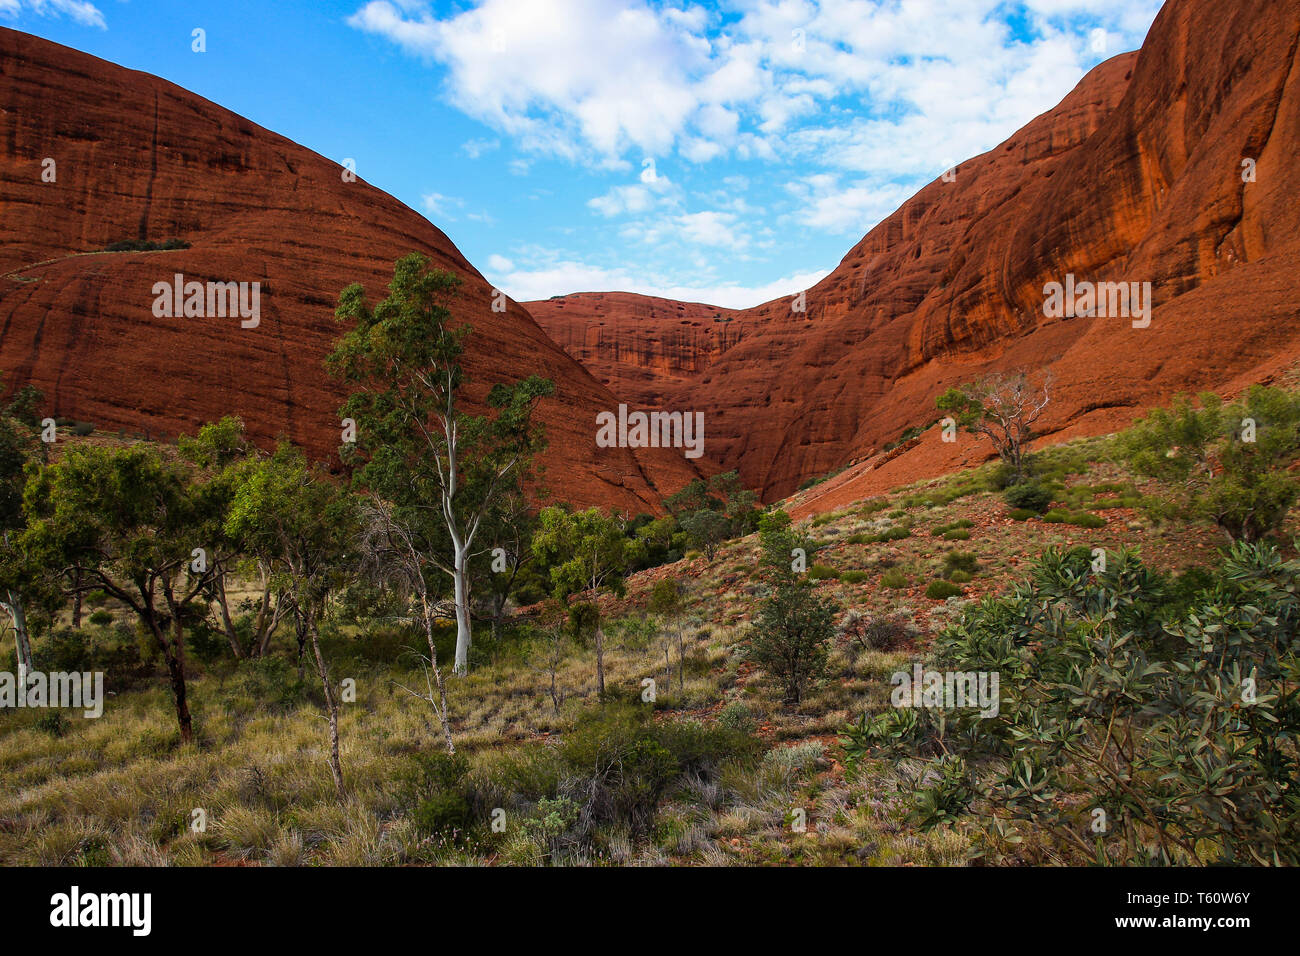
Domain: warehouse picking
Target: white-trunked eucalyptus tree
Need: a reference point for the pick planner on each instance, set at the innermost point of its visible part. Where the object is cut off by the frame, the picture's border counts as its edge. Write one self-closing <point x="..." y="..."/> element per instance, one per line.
<point x="441" y="469"/>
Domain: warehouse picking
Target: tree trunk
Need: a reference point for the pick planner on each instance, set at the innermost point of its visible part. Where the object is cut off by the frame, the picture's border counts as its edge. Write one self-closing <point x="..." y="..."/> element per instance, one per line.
<point x="76" y="598"/>
<point x="176" y="672"/>
<point x="331" y="702"/>
<point x="440" y="706"/>
<point x="301" y="630"/>
<point x="174" y="652"/>
<point x="463" y="633"/>
<point x="226" y="623"/>
<point x="22" y="643"/>
<point x="600" y="662"/>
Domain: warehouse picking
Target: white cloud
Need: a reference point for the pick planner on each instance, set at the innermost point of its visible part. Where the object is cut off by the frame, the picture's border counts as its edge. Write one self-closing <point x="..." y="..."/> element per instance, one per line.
<point x="82" y="11"/>
<point x="474" y="148"/>
<point x="851" y="210"/>
<point x="566" y="276"/>
<point x="593" y="80"/>
<point x="710" y="229"/>
<point x="499" y="263"/>
<point x="437" y="205"/>
<point x="651" y="190"/>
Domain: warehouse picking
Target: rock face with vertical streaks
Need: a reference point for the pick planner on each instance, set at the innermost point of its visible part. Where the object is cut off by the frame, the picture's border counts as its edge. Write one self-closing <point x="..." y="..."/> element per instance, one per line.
<point x="1173" y="165"/>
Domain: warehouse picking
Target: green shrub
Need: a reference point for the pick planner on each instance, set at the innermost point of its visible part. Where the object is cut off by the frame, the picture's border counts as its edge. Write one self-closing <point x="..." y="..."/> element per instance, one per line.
<point x="941" y="590"/>
<point x="100" y="617"/>
<point x="959" y="534"/>
<point x="274" y="682"/>
<point x="1021" y="514"/>
<point x="623" y="763"/>
<point x="854" y="577"/>
<point x="895" y="578"/>
<point x="960" y="561"/>
<point x="584" y="617"/>
<point x="64" y="649"/>
<point x="896" y="533"/>
<point x="1225" y="463"/>
<point x="1085" y="520"/>
<point x="737" y="716"/>
<point x="960" y="577"/>
<point x="879" y="633"/>
<point x="1056" y="516"/>
<point x="821" y="572"/>
<point x="53" y="723"/>
<point x="1028" y="496"/>
<point x="437" y="784"/>
<point x="943" y="529"/>
<point x="1175" y="712"/>
<point x="145" y="245"/>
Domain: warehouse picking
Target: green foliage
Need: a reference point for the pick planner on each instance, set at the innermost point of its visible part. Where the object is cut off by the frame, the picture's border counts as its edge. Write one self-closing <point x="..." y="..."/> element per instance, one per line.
<point x="583" y="619"/>
<point x="146" y="245"/>
<point x="616" y="765"/>
<point x="1029" y="496"/>
<point x="1170" y="704"/>
<point x="895" y="578"/>
<point x="1212" y="469"/>
<point x="737" y="716"/>
<point x="941" y="590"/>
<point x="794" y="625"/>
<point x="1085" y="520"/>
<point x="854" y="577"/>
<point x="822" y="572"/>
<point x="666" y="598"/>
<point x="53" y="723"/>
<point x="585" y="550"/>
<point x="710" y="512"/>
<point x="959" y="525"/>
<point x="955" y="561"/>
<point x="437" y="785"/>
<point x="273" y="682"/>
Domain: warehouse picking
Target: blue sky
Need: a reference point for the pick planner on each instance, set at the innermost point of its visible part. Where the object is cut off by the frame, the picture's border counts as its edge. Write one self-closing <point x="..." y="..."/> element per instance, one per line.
<point x="726" y="153"/>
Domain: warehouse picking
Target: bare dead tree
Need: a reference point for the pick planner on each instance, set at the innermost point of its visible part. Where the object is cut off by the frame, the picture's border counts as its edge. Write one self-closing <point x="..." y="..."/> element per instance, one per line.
<point x="1003" y="407"/>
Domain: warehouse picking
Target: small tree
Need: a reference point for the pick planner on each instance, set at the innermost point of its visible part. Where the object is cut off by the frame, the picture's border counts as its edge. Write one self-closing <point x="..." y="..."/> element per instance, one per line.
<point x="1002" y="407"/>
<point x="666" y="602"/>
<point x="21" y="577"/>
<point x="710" y="512"/>
<point x="1226" y="463"/>
<point x="221" y="451"/>
<point x="293" y="514"/>
<point x="137" y="526"/>
<point x="442" y="469"/>
<point x="789" y="640"/>
<point x="587" y="551"/>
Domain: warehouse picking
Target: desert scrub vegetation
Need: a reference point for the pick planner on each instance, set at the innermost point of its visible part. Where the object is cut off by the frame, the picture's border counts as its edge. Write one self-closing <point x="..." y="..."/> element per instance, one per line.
<point x="1145" y="718"/>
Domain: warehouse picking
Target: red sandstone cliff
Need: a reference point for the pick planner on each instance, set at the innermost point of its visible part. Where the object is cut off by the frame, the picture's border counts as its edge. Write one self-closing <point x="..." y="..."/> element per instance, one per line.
<point x="638" y="345"/>
<point x="1136" y="176"/>
<point x="139" y="158"/>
